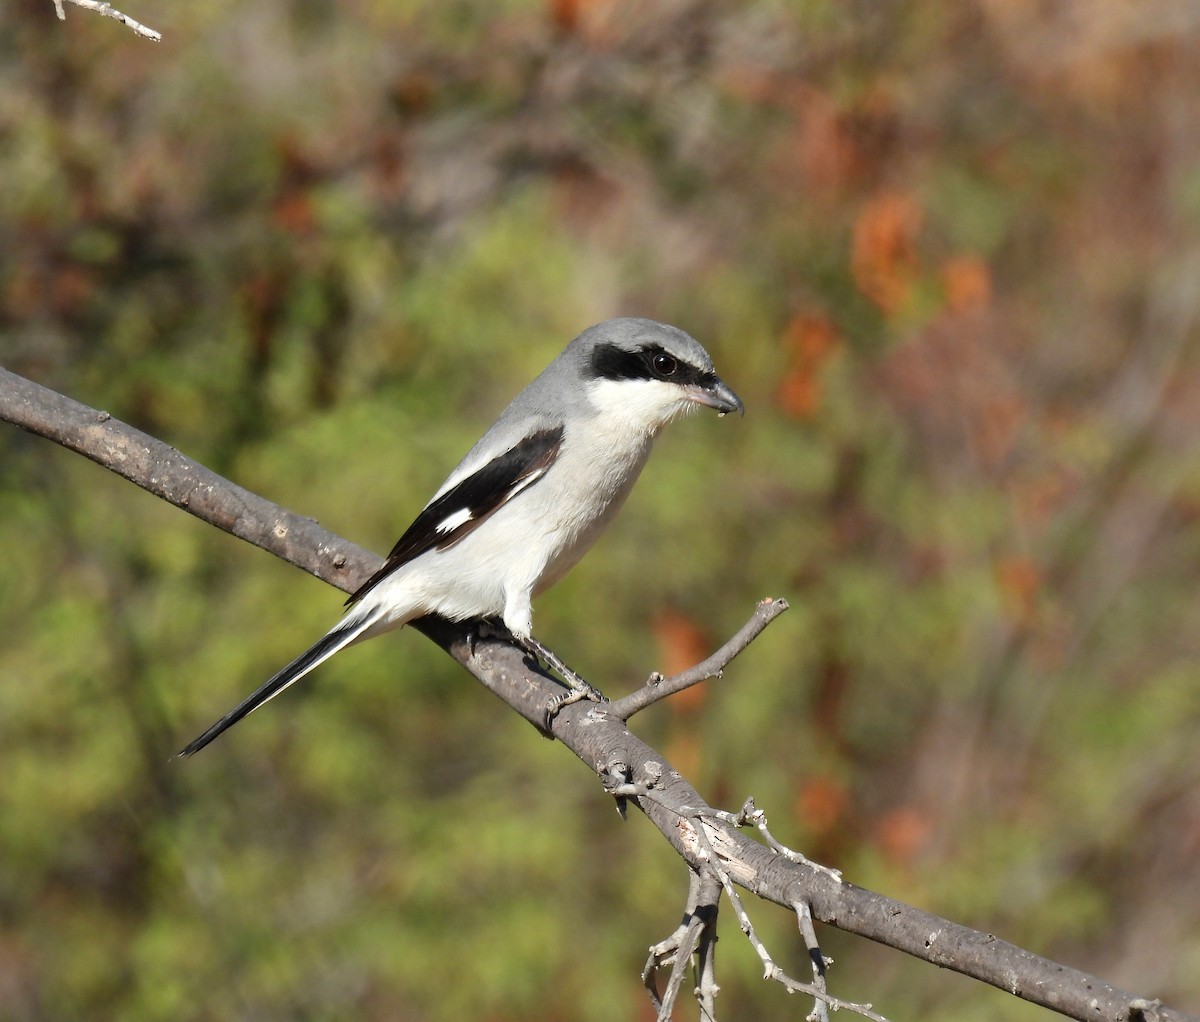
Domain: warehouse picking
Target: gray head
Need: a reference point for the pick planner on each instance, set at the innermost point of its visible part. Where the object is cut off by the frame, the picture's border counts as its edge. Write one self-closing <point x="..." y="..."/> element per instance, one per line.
<point x="654" y="368"/>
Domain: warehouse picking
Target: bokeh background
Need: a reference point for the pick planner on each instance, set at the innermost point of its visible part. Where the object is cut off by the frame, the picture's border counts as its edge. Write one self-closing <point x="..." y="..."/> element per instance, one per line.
<point x="949" y="254"/>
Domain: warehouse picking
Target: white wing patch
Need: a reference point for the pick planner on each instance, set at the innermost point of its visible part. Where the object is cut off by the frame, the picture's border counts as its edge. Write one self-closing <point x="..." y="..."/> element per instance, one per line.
<point x="459" y="518"/>
<point x="464" y="515"/>
<point x="459" y="510"/>
<point x="525" y="483"/>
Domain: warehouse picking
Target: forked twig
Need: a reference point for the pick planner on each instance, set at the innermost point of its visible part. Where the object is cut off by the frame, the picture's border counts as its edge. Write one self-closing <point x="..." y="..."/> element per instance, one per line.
<point x="657" y="687"/>
<point x="708" y="854"/>
<point x="751" y="815"/>
<point x="696" y="934"/>
<point x="771" y="970"/>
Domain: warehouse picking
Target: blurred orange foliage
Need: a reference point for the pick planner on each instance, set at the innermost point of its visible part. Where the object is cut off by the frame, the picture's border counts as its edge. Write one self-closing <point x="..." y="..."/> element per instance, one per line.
<point x="884" y="254"/>
<point x="821" y="804"/>
<point x="1019" y="580"/>
<point x="901" y="834"/>
<point x="682" y="643"/>
<point x="967" y="282"/>
<point x="811" y="339"/>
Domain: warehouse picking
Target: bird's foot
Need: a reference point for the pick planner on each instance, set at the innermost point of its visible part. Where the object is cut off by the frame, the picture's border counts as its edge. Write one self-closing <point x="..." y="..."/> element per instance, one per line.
<point x="494" y="628"/>
<point x="567" y="698"/>
<point x="484" y="628"/>
<point x="580" y="689"/>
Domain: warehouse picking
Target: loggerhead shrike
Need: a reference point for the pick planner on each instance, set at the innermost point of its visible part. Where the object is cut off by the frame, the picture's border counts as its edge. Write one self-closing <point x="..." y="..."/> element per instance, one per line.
<point x="530" y="497"/>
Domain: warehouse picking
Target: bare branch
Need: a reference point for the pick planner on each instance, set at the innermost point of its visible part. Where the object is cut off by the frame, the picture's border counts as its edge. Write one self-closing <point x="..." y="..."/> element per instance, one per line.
<point x="771" y="970"/>
<point x="154" y="466"/>
<point x="590" y="731"/>
<point x="820" y="964"/>
<point x="109" y="12"/>
<point x="695" y="934"/>
<point x="657" y="687"/>
<point x="706" y="954"/>
<point x="751" y="815"/>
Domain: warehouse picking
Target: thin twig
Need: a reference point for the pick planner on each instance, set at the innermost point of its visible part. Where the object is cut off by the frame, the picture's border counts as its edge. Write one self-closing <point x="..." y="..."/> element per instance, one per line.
<point x="657" y="687"/>
<point x="679" y="965"/>
<point x="771" y="970"/>
<point x="750" y="814"/>
<point x="100" y="7"/>
<point x="820" y="964"/>
<point x="706" y="953"/>
<point x="711" y="859"/>
<point x="695" y="934"/>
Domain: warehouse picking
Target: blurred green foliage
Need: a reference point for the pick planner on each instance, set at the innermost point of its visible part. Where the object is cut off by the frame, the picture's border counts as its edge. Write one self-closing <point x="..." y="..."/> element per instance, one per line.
<point x="946" y="253"/>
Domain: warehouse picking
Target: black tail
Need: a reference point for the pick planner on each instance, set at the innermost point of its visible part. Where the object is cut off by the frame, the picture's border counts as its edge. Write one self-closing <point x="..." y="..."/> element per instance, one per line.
<point x="344" y="634"/>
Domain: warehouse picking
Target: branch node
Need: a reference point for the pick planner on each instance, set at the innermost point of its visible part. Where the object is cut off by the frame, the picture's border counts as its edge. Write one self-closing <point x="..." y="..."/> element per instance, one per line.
<point x="1143" y="1010"/>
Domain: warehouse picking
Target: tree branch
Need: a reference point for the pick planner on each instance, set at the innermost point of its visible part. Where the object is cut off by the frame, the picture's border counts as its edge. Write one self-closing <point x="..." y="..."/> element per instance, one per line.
<point x="598" y="737"/>
<point x="100" y="7"/>
<point x="657" y="687"/>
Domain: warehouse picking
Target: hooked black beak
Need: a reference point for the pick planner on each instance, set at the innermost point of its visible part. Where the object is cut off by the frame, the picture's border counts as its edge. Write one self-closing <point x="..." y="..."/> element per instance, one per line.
<point x="717" y="395"/>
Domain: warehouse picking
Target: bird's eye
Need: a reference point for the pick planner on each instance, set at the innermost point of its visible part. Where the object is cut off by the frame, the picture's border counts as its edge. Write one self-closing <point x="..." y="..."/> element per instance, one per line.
<point x="665" y="365"/>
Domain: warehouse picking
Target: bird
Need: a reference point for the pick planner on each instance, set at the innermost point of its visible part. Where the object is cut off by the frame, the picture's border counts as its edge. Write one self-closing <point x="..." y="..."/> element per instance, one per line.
<point x="528" y="499"/>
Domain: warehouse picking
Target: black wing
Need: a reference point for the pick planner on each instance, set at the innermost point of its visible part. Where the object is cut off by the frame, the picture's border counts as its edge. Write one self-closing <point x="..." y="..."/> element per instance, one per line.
<point x="468" y="504"/>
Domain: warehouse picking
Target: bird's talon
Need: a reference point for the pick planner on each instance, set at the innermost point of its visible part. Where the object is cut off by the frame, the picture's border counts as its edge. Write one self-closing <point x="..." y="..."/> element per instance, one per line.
<point x="555" y="705"/>
<point x="576" y="695"/>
